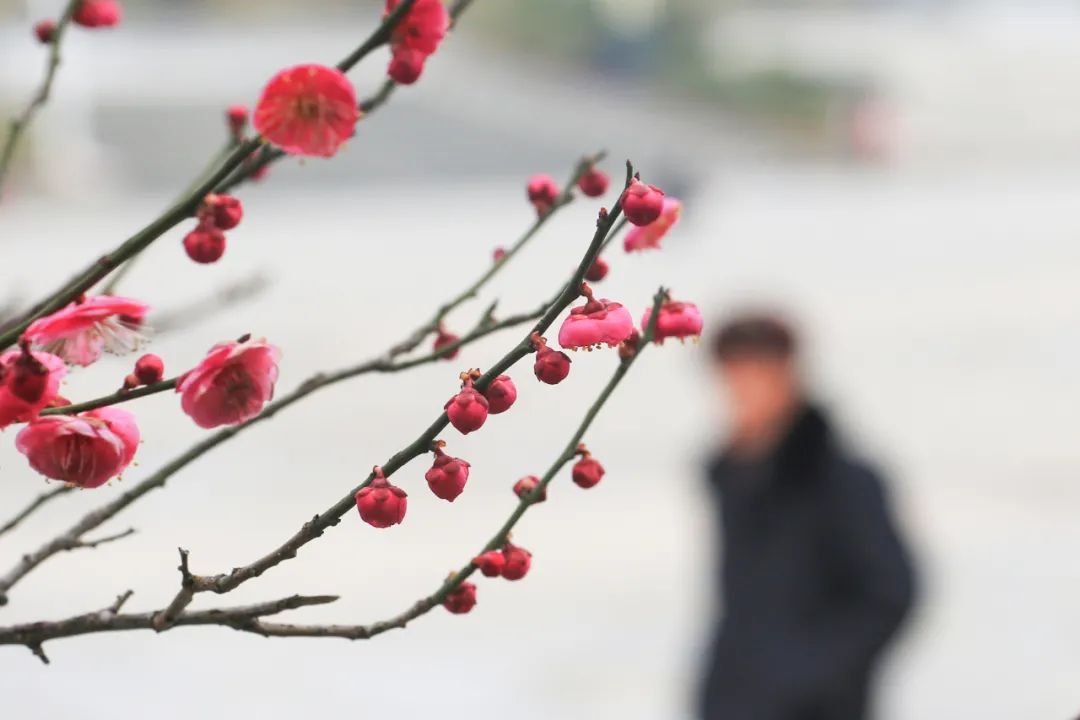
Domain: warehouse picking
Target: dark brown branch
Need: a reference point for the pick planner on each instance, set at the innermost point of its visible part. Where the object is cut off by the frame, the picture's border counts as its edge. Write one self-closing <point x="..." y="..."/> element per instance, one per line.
<point x="34" y="635"/>
<point x="41" y="96"/>
<point x="37" y="502"/>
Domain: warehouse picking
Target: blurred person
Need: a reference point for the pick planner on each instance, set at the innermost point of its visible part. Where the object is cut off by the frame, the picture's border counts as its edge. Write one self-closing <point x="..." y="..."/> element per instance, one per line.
<point x="814" y="578"/>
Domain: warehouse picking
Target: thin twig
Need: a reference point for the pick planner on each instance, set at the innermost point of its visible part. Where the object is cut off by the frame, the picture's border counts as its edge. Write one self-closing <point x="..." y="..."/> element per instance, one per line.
<point x="33" y="635"/>
<point x="41" y="96"/>
<point x="223" y="298"/>
<point x="120" y="396"/>
<point x="34" y="505"/>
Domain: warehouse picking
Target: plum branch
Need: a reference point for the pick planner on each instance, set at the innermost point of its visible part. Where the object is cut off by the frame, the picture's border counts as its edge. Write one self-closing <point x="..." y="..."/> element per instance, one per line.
<point x="20" y="122"/>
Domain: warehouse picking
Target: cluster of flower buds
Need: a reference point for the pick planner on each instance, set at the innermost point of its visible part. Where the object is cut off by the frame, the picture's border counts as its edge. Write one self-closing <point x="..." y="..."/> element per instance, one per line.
<point x="29" y="382"/>
<point x="415" y="37"/>
<point x="216" y="214"/>
<point x="510" y="562"/>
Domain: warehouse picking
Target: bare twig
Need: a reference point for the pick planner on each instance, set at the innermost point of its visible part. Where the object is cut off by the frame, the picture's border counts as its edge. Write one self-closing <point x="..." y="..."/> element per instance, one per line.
<point x="34" y="635"/>
<point x="91" y="544"/>
<point x="33" y="506"/>
<point x="41" y="96"/>
<point x="120" y="396"/>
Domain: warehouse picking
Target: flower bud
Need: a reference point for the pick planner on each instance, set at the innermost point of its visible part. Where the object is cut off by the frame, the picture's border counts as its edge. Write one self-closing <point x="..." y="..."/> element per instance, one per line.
<point x="642" y="203"/>
<point x="444" y="338"/>
<point x="676" y="319"/>
<point x="380" y="503"/>
<point x="406" y="66"/>
<point x="490" y="563"/>
<point x="551" y="366"/>
<point x="526" y="485"/>
<point x="205" y="244"/>
<point x="447" y="476"/>
<point x="517" y="562"/>
<point x="237" y="118"/>
<point x="97" y="13"/>
<point x="45" y="29"/>
<point x="468" y="410"/>
<point x="149" y="369"/>
<point x="501" y="394"/>
<point x="543" y="192"/>
<point x="462" y="599"/>
<point x="587" y="471"/>
<point x="28" y="379"/>
<point x="223" y="211"/>
<point x="593" y="182"/>
<point x="598" y="270"/>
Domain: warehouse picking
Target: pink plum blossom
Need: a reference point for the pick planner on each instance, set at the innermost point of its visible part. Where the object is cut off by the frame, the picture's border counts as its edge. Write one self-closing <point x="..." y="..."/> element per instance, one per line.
<point x="231" y="384"/>
<point x="85" y="450"/>
<point x="81" y="331"/>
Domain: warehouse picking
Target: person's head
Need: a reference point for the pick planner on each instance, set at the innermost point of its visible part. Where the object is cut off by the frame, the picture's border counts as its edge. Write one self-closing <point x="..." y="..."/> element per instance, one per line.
<point x="754" y="361"/>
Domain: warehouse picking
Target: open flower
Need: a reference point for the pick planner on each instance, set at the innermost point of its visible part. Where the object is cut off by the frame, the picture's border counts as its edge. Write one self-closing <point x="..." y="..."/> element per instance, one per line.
<point x="80" y="332"/>
<point x="648" y="237"/>
<point x="597" y="322"/>
<point x="307" y="110"/>
<point x="85" y="450"/>
<point x="16" y="404"/>
<point x="231" y="384"/>
<point x="676" y="319"/>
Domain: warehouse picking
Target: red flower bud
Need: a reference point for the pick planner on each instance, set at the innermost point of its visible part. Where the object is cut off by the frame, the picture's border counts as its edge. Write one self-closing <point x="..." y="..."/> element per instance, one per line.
<point x="442" y="339"/>
<point x="628" y="348"/>
<point x="468" y="409"/>
<point x="462" y="599"/>
<point x="490" y="563"/>
<point x="551" y="366"/>
<point x="587" y="471"/>
<point x="542" y="192"/>
<point x="205" y="244"/>
<point x="517" y="560"/>
<point x="224" y="211"/>
<point x="97" y="13"/>
<point x="29" y="378"/>
<point x="406" y="65"/>
<point x="237" y="118"/>
<point x="131" y="381"/>
<point x="500" y="394"/>
<point x="447" y="476"/>
<point x="498" y="254"/>
<point x="526" y="485"/>
<point x="593" y="182"/>
<point x="597" y="271"/>
<point x="45" y="29"/>
<point x="149" y="369"/>
<point x="642" y="203"/>
<point x="380" y="503"/>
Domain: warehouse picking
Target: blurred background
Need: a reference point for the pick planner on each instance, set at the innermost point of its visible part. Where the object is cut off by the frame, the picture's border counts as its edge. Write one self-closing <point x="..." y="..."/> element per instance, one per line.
<point x="900" y="176"/>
